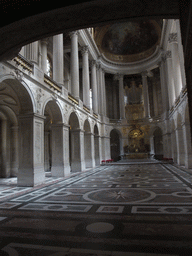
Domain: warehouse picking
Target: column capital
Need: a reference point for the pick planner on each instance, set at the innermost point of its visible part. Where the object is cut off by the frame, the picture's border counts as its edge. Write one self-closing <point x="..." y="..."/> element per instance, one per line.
<point x="84" y="49"/>
<point x="44" y="41"/>
<point x="73" y="33"/>
<point x="118" y="77"/>
<point x="172" y="38"/>
<point x="103" y="70"/>
<point x="144" y="73"/>
<point x="93" y="63"/>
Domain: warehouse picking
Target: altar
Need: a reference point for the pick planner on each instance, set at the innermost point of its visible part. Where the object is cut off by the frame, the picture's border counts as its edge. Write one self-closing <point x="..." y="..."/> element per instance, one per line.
<point x="136" y="156"/>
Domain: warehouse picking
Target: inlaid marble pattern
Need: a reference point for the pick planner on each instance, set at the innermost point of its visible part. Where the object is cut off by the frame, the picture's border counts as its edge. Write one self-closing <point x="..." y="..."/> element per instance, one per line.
<point x="17" y="249"/>
<point x="110" y="210"/>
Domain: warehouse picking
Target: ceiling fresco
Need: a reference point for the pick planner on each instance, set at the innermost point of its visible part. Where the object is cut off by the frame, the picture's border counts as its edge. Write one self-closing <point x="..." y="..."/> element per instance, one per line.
<point x="128" y="41"/>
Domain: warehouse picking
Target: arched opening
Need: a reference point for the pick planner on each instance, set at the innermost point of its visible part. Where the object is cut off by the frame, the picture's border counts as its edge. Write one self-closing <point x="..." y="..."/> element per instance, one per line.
<point x="9" y="161"/>
<point x="53" y="142"/>
<point x="96" y="145"/>
<point x="76" y="155"/>
<point x="87" y="145"/>
<point x="115" y="145"/>
<point x="21" y="141"/>
<point x="158" y="144"/>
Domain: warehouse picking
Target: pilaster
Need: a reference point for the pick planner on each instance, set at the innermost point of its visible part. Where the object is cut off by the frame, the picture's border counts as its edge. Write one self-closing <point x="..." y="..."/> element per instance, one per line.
<point x="44" y="44"/>
<point x="170" y="79"/>
<point x="176" y="64"/>
<point x="31" y="150"/>
<point x="60" y="150"/>
<point x="74" y="65"/>
<point x="94" y="86"/>
<point x="86" y="82"/>
<point x="77" y="150"/>
<point x="145" y="95"/>
<point x="58" y="60"/>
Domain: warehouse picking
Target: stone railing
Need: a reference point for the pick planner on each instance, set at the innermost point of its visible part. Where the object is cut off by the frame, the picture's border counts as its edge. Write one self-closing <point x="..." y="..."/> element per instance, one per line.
<point x="71" y="98"/>
<point x="24" y="63"/>
<point x="95" y="115"/>
<point x="86" y="109"/>
<point x="51" y="83"/>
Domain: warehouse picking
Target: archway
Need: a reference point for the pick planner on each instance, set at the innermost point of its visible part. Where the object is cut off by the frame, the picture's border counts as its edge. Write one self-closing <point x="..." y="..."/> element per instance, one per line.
<point x="96" y="145"/>
<point x="23" y="131"/>
<point x="115" y="145"/>
<point x="158" y="144"/>
<point x="9" y="161"/>
<point x="53" y="139"/>
<point x="76" y="144"/>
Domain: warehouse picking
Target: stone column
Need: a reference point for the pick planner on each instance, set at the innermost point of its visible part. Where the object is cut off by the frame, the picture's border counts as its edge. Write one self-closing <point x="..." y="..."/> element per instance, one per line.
<point x="104" y="93"/>
<point x="94" y="86"/>
<point x="31" y="150"/>
<point x="60" y="148"/>
<point x="44" y="55"/>
<point x="155" y="101"/>
<point x="145" y="95"/>
<point x="32" y="52"/>
<point x="187" y="145"/>
<point x="176" y="64"/>
<point x="74" y="65"/>
<point x="77" y="150"/>
<point x="86" y="82"/>
<point x="58" y="60"/>
<point x="170" y="79"/>
<point x="115" y="109"/>
<point x="164" y="91"/>
<point x="15" y="150"/>
<point x="180" y="52"/>
<point x="121" y="97"/>
<point x="98" y="66"/>
<point x="101" y="91"/>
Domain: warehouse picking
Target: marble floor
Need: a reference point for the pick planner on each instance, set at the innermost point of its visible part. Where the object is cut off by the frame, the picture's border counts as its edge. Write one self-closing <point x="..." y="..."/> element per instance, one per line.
<point x="126" y="209"/>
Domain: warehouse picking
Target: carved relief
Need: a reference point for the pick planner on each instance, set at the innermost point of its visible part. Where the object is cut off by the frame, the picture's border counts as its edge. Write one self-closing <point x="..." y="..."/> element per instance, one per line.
<point x="39" y="96"/>
<point x="38" y="137"/>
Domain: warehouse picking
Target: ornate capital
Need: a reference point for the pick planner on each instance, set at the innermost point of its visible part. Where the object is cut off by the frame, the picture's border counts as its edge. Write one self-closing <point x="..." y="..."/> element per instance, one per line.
<point x="93" y="63"/>
<point x="172" y="38"/>
<point x="144" y="74"/>
<point x="168" y="55"/>
<point x="44" y="41"/>
<point x="73" y="33"/>
<point x="84" y="49"/>
<point x="118" y="77"/>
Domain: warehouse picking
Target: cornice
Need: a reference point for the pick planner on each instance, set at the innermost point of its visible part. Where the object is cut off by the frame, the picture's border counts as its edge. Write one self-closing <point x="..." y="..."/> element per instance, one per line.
<point x="132" y="68"/>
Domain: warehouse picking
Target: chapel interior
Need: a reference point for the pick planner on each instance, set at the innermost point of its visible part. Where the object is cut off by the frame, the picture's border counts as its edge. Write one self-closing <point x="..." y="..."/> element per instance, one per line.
<point x="109" y="99"/>
<point x="111" y="92"/>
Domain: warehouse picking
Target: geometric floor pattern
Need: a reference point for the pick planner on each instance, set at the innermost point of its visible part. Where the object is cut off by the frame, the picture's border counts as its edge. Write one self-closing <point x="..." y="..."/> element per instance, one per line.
<point x="126" y="209"/>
